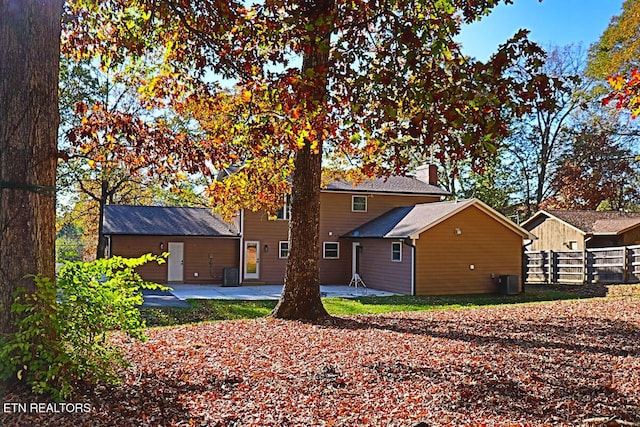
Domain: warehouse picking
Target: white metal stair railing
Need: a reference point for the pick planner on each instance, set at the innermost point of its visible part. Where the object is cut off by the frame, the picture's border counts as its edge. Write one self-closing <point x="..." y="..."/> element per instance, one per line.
<point x="356" y="281"/>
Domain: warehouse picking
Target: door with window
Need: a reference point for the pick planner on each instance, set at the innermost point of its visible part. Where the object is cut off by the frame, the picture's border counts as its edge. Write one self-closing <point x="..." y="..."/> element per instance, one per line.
<point x="175" y="263"/>
<point x="251" y="260"/>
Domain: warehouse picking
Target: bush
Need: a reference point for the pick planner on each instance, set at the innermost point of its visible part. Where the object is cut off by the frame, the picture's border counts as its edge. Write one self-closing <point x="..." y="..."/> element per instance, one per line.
<point x="61" y="329"/>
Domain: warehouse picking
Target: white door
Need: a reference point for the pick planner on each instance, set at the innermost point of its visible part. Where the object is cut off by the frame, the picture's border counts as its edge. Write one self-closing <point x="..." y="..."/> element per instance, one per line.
<point x="251" y="260"/>
<point x="175" y="263"/>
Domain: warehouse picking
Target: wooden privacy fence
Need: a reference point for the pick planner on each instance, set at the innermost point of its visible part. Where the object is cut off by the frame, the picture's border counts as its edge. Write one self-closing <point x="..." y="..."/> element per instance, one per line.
<point x="619" y="264"/>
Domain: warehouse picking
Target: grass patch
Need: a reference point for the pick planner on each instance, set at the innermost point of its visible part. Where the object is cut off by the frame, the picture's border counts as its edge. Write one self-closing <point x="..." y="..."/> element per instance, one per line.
<point x="212" y="310"/>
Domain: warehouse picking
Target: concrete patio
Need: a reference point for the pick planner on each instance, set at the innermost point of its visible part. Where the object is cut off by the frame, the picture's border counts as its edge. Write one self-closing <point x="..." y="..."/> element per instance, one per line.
<point x="179" y="293"/>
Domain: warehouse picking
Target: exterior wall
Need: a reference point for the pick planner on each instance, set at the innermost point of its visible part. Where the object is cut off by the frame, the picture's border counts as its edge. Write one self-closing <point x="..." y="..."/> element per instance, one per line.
<point x="444" y="258"/>
<point x="379" y="272"/>
<point x="336" y="219"/>
<point x="631" y="237"/>
<point x="224" y="252"/>
<point x="258" y="227"/>
<point x="555" y="235"/>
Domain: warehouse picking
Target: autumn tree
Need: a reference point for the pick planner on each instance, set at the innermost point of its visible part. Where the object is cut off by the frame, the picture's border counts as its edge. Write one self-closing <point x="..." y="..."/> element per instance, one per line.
<point x="537" y="140"/>
<point x="595" y="169"/>
<point x="112" y="144"/>
<point x="616" y="57"/>
<point x="370" y="80"/>
<point x="29" y="58"/>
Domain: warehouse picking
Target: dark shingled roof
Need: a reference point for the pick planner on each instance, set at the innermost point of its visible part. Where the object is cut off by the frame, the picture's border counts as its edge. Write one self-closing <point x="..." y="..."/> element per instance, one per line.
<point x="164" y="221"/>
<point x="392" y="184"/>
<point x="605" y="222"/>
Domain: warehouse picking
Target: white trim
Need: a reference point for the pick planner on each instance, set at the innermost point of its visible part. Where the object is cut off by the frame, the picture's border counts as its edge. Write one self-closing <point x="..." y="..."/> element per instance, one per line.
<point x="280" y="249"/>
<point x="400" y="251"/>
<point x="413" y="267"/>
<point x="324" y="250"/>
<point x="255" y="275"/>
<point x="354" y="248"/>
<point x="353" y="200"/>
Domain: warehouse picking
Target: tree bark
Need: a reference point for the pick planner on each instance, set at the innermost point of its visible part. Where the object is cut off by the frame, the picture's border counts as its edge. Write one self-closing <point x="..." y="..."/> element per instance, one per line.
<point x="300" y="298"/>
<point x="29" y="67"/>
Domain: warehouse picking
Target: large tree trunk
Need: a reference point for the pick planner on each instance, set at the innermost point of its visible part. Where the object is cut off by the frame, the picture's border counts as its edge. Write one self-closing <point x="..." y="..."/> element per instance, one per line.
<point x="29" y="67"/>
<point x="300" y="298"/>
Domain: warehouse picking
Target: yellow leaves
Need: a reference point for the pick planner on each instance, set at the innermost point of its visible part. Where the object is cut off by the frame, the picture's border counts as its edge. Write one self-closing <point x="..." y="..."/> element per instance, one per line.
<point x="92" y="164"/>
<point x="246" y="96"/>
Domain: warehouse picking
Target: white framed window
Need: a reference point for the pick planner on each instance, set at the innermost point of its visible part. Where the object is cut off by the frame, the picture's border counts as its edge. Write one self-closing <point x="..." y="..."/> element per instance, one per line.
<point x="396" y="251"/>
<point x="331" y="250"/>
<point x="285" y="211"/>
<point x="358" y="203"/>
<point x="283" y="249"/>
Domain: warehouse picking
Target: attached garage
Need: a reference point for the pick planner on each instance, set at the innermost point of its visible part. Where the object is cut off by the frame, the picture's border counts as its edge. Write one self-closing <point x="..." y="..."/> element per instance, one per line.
<point x="459" y="247"/>
<point x="200" y="245"/>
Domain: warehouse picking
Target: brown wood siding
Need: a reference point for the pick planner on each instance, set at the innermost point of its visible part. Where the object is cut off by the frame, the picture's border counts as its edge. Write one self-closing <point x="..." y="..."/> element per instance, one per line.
<point x="554" y="235"/>
<point x="258" y="227"/>
<point x="379" y="272"/>
<point x="631" y="237"/>
<point x="444" y="258"/>
<point x="336" y="219"/>
<point x="224" y="253"/>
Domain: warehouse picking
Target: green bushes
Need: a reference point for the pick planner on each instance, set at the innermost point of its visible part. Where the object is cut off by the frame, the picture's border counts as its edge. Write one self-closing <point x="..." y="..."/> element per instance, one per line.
<point x="61" y="329"/>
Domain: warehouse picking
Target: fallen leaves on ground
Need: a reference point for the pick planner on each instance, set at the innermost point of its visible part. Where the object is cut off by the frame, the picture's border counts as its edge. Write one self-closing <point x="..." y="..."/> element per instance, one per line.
<point x="559" y="363"/>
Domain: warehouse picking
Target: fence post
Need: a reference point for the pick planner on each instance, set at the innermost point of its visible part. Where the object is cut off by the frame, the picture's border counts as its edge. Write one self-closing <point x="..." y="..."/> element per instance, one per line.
<point x="552" y="267"/>
<point x="625" y="265"/>
<point x="585" y="267"/>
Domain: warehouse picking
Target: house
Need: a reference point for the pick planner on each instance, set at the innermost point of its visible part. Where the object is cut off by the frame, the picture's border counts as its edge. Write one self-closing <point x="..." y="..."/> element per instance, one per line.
<point x="200" y="245"/>
<point x="455" y="247"/>
<point x="561" y="230"/>
<point x="421" y="255"/>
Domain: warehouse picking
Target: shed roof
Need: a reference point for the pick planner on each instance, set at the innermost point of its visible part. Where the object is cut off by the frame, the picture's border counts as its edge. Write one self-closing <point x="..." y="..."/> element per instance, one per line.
<point x="164" y="221"/>
<point x="411" y="221"/>
<point x="591" y="221"/>
<point x="392" y="184"/>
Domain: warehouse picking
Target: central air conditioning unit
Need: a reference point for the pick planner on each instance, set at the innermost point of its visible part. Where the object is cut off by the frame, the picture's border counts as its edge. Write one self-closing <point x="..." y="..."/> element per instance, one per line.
<point x="509" y="285"/>
<point x="230" y="276"/>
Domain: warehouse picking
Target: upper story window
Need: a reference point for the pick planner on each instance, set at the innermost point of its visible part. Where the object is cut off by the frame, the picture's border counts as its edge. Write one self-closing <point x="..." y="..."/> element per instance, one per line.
<point x="285" y="211"/>
<point x="396" y="251"/>
<point x="331" y="250"/>
<point x="358" y="203"/>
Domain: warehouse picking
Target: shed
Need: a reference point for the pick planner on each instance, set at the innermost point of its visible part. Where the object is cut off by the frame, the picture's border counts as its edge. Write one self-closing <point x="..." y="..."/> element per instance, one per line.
<point x="561" y="230"/>
<point x="455" y="247"/>
<point x="200" y="244"/>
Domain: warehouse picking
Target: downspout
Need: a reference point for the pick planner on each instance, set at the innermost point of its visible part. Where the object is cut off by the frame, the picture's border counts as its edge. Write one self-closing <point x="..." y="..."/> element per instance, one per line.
<point x="412" y="245"/>
<point x="241" y="246"/>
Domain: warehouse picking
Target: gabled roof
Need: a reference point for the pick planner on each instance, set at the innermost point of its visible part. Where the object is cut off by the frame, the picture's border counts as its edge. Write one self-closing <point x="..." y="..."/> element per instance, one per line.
<point x="392" y="184"/>
<point x="590" y="221"/>
<point x="164" y="221"/>
<point x="411" y="221"/>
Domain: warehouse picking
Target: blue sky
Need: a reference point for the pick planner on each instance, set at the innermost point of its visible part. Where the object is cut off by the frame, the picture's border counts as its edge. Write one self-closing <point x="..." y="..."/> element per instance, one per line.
<point x="552" y="23"/>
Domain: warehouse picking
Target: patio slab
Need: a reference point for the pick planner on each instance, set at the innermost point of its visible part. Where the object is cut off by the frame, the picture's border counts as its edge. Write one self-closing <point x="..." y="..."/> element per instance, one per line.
<point x="263" y="292"/>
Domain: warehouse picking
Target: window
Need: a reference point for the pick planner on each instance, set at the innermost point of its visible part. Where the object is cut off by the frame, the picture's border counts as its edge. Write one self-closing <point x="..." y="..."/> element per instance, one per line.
<point x="396" y="251"/>
<point x="283" y="250"/>
<point x="285" y="211"/>
<point x="331" y="250"/>
<point x="358" y="203"/>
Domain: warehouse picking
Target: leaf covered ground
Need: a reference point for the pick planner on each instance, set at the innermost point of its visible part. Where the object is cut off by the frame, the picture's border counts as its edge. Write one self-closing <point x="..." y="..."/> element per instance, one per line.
<point x="558" y="363"/>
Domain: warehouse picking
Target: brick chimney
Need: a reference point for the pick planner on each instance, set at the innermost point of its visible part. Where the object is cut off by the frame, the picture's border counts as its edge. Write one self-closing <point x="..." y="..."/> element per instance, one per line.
<point x="428" y="174"/>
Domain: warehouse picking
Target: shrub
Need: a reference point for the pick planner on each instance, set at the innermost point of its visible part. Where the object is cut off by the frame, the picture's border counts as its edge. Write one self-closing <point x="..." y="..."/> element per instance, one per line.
<point x="61" y="337"/>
